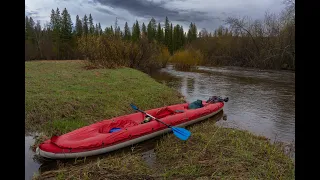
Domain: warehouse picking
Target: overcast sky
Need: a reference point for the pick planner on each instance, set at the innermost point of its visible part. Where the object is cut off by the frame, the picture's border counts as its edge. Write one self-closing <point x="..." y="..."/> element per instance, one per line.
<point x="205" y="13"/>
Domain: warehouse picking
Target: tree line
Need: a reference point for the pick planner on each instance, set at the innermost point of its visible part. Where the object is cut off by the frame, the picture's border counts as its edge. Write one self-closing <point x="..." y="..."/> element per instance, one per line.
<point x="57" y="39"/>
<point x="268" y="43"/>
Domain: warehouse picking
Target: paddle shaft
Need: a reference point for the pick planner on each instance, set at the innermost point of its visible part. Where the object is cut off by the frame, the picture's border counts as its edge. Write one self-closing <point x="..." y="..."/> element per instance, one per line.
<point x="154" y="118"/>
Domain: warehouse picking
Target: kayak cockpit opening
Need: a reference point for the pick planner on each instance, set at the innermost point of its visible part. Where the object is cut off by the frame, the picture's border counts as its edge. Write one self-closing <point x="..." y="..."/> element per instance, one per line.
<point x="114" y="130"/>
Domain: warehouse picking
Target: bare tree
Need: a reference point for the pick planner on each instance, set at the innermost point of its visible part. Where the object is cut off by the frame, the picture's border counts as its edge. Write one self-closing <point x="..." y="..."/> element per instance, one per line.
<point x="237" y="24"/>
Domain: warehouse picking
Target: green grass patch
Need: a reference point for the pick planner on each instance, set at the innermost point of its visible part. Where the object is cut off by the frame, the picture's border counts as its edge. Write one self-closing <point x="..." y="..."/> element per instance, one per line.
<point x="116" y="166"/>
<point x="62" y="96"/>
<point x="222" y="153"/>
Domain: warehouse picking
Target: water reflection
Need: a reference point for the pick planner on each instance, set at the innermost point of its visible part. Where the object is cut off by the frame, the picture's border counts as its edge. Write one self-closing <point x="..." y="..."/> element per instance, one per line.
<point x="190" y="85"/>
<point x="31" y="165"/>
<point x="260" y="101"/>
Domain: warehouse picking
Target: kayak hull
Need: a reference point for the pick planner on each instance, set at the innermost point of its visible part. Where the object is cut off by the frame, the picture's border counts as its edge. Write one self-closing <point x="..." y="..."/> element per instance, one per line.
<point x="43" y="151"/>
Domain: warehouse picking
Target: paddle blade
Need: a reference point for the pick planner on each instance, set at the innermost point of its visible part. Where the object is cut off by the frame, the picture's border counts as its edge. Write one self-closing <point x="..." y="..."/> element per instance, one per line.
<point x="134" y="107"/>
<point x="181" y="133"/>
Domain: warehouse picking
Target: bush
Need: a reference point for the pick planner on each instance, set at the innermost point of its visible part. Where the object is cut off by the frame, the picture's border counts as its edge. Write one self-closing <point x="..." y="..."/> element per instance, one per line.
<point x="112" y="52"/>
<point x="164" y="56"/>
<point x="186" y="59"/>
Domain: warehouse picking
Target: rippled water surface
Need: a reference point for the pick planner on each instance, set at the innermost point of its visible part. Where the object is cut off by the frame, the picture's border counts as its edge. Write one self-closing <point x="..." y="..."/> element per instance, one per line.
<point x="262" y="102"/>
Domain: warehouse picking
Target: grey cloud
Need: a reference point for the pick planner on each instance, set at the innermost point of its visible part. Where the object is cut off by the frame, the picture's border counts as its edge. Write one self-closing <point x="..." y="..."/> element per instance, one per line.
<point x="157" y="10"/>
<point x="31" y="13"/>
<point x="106" y="11"/>
<point x="206" y="13"/>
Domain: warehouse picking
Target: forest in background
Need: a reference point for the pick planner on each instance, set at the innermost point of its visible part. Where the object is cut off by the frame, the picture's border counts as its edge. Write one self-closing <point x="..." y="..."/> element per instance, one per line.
<point x="267" y="44"/>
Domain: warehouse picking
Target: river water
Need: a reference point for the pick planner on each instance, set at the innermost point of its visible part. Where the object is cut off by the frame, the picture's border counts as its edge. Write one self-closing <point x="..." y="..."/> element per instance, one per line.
<point x="262" y="102"/>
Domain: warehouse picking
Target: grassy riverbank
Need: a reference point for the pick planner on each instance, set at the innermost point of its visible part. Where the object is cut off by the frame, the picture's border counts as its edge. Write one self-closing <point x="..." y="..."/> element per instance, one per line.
<point x="62" y="96"/>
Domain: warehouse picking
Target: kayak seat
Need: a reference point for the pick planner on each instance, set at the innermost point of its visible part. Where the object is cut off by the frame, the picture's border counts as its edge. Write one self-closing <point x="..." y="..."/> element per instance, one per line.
<point x="117" y="125"/>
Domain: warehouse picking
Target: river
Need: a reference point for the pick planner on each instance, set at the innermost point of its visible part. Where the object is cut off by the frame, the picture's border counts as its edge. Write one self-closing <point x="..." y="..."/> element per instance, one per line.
<point x="260" y="101"/>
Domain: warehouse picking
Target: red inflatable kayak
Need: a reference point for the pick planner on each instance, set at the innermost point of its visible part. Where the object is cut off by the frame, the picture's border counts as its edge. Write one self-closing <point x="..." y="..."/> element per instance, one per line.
<point x="122" y="131"/>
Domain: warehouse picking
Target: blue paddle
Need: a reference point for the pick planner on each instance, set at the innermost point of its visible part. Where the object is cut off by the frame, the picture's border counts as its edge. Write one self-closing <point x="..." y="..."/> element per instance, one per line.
<point x="180" y="133"/>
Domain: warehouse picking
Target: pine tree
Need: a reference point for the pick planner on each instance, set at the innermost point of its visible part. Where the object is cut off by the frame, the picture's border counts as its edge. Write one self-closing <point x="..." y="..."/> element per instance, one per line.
<point x="100" y="30"/>
<point x="116" y="29"/>
<point x="96" y="30"/>
<point x="66" y="25"/>
<point x="111" y="31"/>
<point x="78" y="26"/>
<point x="136" y="32"/>
<point x="29" y="30"/>
<point x="85" y="25"/>
<point x="108" y="31"/>
<point x="159" y="33"/>
<point x="55" y="25"/>
<point x="149" y="31"/>
<point x="144" y="30"/>
<point x="26" y="27"/>
<point x="166" y="32"/>
<point x="192" y="32"/>
<point x="152" y="29"/>
<point x="127" y="33"/>
<point x="170" y="39"/>
<point x="177" y="43"/>
<point x="66" y="33"/>
<point x="182" y="36"/>
<point x="91" y="26"/>
<point x="38" y="38"/>
<point x="52" y="19"/>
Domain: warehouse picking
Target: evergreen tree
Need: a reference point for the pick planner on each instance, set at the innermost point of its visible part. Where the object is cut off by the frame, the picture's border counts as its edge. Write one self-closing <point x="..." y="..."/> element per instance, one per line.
<point x="108" y="31"/>
<point x="111" y="31"/>
<point x="136" y="32"/>
<point x="166" y="32"/>
<point x="66" y="34"/>
<point x="152" y="29"/>
<point x="66" y="25"/>
<point x="38" y="38"/>
<point x="26" y="27"/>
<point x="55" y="24"/>
<point x="177" y="42"/>
<point x="91" y="25"/>
<point x="170" y="39"/>
<point x="144" y="30"/>
<point x="116" y="28"/>
<point x="127" y="33"/>
<point x="96" y="30"/>
<point x="100" y="30"/>
<point x="159" y="34"/>
<point x="85" y="25"/>
<point x="29" y="30"/>
<point x="182" y="36"/>
<point x="78" y="26"/>
<point x="192" y="32"/>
